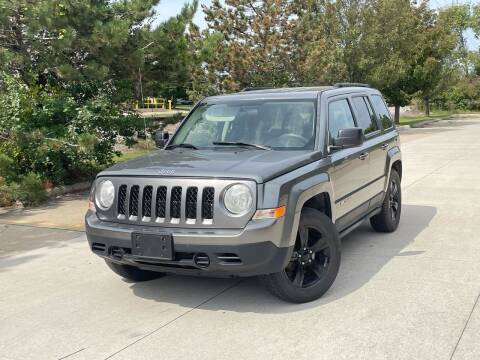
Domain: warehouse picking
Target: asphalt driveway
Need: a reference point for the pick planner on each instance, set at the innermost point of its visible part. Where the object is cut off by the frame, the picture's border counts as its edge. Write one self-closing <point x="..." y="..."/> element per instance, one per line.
<point x="412" y="294"/>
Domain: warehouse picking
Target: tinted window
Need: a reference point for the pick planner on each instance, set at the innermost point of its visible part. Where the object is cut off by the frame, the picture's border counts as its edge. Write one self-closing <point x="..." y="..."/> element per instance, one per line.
<point x="366" y="120"/>
<point x="339" y="117"/>
<point x="382" y="111"/>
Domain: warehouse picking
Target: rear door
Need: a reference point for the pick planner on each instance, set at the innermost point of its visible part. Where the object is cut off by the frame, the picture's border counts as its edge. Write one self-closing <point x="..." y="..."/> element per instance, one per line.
<point x="384" y="142"/>
<point x="367" y="120"/>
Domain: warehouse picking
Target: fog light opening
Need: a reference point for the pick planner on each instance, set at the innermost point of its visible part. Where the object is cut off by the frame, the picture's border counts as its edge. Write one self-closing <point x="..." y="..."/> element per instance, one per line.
<point x="201" y="260"/>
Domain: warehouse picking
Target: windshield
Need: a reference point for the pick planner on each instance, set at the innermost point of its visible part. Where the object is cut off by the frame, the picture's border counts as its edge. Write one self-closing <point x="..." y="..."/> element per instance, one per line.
<point x="275" y="124"/>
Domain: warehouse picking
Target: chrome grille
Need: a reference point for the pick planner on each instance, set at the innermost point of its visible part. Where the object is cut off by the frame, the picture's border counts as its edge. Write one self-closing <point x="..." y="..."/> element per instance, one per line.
<point x="207" y="202"/>
<point x="133" y="202"/>
<point x="161" y="202"/>
<point x="122" y="195"/>
<point x="147" y="202"/>
<point x="154" y="205"/>
<point x="176" y="202"/>
<point x="191" y="203"/>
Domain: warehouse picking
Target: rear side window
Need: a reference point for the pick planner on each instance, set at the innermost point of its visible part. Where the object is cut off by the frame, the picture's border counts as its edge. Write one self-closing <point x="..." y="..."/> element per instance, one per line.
<point x="366" y="120"/>
<point x="382" y="111"/>
<point x="339" y="117"/>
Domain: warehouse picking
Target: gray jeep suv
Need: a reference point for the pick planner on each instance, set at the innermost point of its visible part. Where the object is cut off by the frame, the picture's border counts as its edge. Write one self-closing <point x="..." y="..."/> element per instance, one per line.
<point x="258" y="183"/>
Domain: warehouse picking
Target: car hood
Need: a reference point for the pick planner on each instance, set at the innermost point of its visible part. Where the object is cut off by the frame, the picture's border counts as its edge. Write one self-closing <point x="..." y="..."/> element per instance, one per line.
<point x="258" y="165"/>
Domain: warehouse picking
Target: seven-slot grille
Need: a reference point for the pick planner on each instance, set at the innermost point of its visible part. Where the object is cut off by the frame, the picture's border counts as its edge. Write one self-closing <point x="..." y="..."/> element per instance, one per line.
<point x="166" y="204"/>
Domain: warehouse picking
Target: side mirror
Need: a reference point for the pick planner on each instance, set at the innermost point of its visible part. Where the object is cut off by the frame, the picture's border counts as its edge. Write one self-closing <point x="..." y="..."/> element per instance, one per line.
<point x="348" y="138"/>
<point x="161" y="138"/>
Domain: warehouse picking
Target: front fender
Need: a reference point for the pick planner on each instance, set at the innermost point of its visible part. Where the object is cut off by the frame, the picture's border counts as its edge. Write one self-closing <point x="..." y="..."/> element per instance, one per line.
<point x="299" y="195"/>
<point x="393" y="155"/>
<point x="293" y="190"/>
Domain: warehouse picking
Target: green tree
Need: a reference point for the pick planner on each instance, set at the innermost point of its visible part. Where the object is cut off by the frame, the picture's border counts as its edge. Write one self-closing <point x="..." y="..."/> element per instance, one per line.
<point x="59" y="42"/>
<point x="208" y="51"/>
<point x="433" y="52"/>
<point x="457" y="19"/>
<point x="256" y="45"/>
<point x="168" y="61"/>
<point x="317" y="36"/>
<point x="66" y="68"/>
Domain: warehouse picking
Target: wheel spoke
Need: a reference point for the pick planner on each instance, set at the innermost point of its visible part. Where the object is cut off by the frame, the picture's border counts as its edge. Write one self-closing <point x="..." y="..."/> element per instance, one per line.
<point x="395" y="205"/>
<point x="318" y="270"/>
<point x="320" y="245"/>
<point x="303" y="232"/>
<point x="299" y="276"/>
<point x="294" y="256"/>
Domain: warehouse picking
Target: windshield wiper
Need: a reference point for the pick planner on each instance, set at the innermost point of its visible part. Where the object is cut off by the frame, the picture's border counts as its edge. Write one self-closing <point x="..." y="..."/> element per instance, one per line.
<point x="227" y="143"/>
<point x="182" y="145"/>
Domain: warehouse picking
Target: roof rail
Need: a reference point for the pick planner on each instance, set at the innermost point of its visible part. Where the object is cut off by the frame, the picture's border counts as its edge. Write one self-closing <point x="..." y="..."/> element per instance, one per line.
<point x="255" y="88"/>
<point x="347" y="84"/>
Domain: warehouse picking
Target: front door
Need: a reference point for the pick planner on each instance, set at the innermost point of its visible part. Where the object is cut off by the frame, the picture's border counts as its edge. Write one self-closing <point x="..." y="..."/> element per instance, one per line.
<point x="350" y="167"/>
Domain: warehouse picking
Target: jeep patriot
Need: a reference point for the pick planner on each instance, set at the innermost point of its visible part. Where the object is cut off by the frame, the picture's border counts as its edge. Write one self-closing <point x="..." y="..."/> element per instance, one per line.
<point x="258" y="183"/>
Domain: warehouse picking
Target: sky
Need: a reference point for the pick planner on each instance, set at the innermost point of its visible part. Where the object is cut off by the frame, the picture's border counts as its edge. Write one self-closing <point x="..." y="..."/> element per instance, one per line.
<point x="169" y="8"/>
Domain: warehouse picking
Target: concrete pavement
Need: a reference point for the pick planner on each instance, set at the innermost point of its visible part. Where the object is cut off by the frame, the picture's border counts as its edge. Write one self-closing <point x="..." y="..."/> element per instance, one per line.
<point x="412" y="294"/>
<point x="62" y="212"/>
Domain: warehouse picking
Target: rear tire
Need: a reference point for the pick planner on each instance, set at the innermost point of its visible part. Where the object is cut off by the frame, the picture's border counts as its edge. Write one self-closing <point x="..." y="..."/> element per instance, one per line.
<point x="388" y="219"/>
<point x="314" y="264"/>
<point x="132" y="273"/>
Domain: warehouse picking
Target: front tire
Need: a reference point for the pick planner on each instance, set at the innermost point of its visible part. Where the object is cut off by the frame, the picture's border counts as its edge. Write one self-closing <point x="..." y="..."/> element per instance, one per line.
<point x="132" y="273"/>
<point x="314" y="264"/>
<point x="389" y="217"/>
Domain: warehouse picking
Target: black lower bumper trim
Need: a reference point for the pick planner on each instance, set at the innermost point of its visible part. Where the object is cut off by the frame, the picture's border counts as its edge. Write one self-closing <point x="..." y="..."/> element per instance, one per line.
<point x="223" y="260"/>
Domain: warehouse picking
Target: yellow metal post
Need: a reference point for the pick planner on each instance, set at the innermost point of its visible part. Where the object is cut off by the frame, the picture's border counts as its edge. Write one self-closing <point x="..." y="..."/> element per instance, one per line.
<point x="169" y="105"/>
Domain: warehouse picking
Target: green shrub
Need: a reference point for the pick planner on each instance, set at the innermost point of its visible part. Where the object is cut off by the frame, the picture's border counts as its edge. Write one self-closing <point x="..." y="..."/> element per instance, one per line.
<point x="29" y="190"/>
<point x="6" y="196"/>
<point x="63" y="134"/>
<point x="6" y="167"/>
<point x="465" y="95"/>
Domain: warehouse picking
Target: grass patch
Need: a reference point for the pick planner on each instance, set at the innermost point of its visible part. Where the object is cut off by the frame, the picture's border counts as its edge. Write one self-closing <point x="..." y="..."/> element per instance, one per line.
<point x="131" y="154"/>
<point x="436" y="114"/>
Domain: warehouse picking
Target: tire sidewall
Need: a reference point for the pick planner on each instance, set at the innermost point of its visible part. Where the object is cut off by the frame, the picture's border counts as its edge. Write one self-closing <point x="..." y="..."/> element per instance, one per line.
<point x="315" y="219"/>
<point x="393" y="224"/>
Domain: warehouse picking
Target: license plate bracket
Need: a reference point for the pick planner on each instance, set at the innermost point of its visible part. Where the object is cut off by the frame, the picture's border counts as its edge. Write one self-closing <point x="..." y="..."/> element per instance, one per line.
<point x="154" y="246"/>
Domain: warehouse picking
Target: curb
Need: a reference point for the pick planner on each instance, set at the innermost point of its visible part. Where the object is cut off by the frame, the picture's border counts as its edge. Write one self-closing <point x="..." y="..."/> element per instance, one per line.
<point x="67" y="189"/>
<point x="433" y="120"/>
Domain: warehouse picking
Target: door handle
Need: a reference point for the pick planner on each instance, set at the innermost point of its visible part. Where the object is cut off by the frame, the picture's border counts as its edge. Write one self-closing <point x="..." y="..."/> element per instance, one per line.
<point x="384" y="146"/>
<point x="363" y="156"/>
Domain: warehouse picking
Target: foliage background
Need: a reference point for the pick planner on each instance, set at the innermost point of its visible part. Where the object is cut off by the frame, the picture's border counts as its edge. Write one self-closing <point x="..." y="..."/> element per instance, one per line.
<point x="70" y="69"/>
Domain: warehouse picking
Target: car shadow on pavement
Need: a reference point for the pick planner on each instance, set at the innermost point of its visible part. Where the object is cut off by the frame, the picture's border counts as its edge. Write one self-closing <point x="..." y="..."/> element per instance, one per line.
<point x="16" y="240"/>
<point x="364" y="254"/>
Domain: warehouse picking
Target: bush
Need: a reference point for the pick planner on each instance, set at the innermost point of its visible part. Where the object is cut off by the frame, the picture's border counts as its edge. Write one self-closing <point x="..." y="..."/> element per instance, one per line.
<point x="28" y="191"/>
<point x="6" y="196"/>
<point x="61" y="136"/>
<point x="465" y="95"/>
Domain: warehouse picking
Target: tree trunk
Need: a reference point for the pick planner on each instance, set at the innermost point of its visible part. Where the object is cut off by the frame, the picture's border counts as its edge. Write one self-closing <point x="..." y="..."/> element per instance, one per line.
<point x="426" y="101"/>
<point x="397" y="114"/>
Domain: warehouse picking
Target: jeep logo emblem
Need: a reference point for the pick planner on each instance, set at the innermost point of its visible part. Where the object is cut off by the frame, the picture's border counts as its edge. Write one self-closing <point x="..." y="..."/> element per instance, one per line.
<point x="166" y="172"/>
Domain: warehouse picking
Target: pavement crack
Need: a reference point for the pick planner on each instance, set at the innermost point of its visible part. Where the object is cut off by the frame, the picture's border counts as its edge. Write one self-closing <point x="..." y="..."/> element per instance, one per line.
<point x="75" y="352"/>
<point x="465" y="326"/>
<point x="173" y="320"/>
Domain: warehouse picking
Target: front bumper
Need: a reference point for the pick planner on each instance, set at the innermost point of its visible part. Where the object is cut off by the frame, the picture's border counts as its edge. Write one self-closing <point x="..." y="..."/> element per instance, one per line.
<point x="250" y="251"/>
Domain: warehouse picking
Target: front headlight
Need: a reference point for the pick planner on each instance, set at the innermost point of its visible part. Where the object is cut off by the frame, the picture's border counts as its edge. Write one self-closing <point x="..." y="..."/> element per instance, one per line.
<point x="238" y="199"/>
<point x="104" y="195"/>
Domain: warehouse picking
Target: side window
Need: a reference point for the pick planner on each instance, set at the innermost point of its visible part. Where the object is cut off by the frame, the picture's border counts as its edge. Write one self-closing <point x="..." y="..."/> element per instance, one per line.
<point x="382" y="111"/>
<point x="339" y="117"/>
<point x="365" y="119"/>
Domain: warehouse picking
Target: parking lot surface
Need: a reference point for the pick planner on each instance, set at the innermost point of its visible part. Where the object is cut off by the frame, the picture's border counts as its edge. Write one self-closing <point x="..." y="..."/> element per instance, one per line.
<point x="412" y="294"/>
